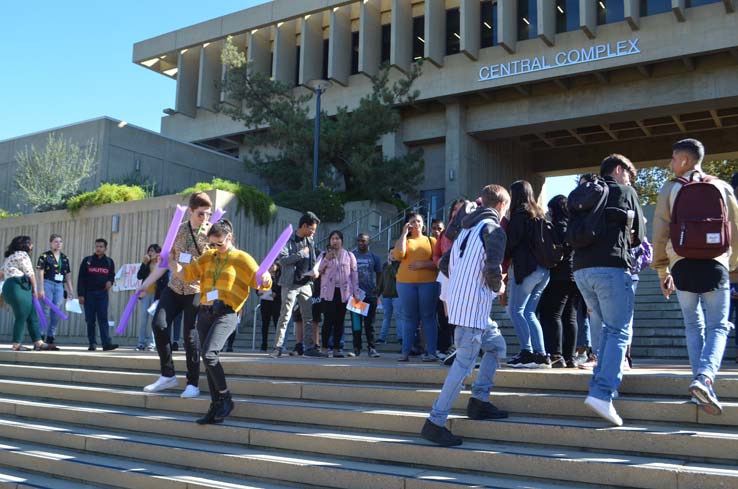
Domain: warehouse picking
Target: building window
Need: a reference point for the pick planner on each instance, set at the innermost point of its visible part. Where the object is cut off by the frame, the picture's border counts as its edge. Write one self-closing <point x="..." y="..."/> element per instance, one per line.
<point x="297" y="65"/>
<point x="697" y="3"/>
<point x="527" y="19"/>
<point x="386" y="42"/>
<point x="567" y="15"/>
<point x="326" y="52"/>
<point x="418" y="37"/>
<point x="354" y="53"/>
<point x="453" y="31"/>
<point x="653" y="7"/>
<point x="609" y="11"/>
<point x="488" y="26"/>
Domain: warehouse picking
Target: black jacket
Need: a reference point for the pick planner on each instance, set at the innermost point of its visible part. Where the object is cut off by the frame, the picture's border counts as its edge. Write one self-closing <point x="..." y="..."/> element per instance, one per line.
<point x="143" y="273"/>
<point x="94" y="272"/>
<point x="494" y="239"/>
<point x="613" y="250"/>
<point x="519" y="243"/>
<point x="564" y="271"/>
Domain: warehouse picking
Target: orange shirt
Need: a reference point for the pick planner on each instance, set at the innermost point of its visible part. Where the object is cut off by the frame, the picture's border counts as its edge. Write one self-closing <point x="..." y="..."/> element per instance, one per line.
<point x="418" y="249"/>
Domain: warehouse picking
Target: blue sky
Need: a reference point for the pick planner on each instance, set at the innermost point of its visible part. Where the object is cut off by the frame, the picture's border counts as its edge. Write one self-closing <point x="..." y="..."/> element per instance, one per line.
<point x="64" y="62"/>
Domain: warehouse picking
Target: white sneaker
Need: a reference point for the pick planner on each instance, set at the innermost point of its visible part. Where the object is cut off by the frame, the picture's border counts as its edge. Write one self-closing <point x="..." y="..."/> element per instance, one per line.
<point x="162" y="384"/>
<point x="190" y="391"/>
<point x="604" y="409"/>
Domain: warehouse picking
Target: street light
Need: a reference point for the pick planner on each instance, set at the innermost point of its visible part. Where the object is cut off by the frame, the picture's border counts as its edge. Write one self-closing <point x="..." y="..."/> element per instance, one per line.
<point x="319" y="87"/>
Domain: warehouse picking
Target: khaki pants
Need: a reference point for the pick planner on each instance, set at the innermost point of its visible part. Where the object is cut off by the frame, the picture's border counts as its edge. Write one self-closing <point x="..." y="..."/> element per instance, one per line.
<point x="303" y="295"/>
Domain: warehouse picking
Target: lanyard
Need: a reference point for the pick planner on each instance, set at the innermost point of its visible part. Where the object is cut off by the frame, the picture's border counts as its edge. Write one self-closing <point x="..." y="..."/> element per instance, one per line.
<point x="194" y="239"/>
<point x="219" y="268"/>
<point x="58" y="262"/>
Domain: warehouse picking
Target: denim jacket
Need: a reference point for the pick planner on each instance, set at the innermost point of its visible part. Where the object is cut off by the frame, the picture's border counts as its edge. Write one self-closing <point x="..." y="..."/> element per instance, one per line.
<point x="339" y="272"/>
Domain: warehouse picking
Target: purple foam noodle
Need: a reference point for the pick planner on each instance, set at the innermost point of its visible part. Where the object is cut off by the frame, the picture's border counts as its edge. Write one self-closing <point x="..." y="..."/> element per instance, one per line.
<point x="41" y="315"/>
<point x="171" y="234"/>
<point x="273" y="253"/>
<point x="217" y="215"/>
<point x="127" y="313"/>
<point x="56" y="310"/>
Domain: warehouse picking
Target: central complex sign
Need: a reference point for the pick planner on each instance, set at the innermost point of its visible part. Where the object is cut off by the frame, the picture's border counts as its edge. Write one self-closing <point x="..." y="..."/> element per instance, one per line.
<point x="571" y="57"/>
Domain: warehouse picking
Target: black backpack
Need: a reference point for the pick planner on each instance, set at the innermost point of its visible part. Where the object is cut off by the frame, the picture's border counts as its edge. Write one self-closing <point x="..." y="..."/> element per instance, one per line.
<point x="587" y="205"/>
<point x="546" y="246"/>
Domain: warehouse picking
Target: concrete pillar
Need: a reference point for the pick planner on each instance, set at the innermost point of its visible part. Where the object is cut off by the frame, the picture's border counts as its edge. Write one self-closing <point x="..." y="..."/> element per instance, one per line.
<point x="240" y="41"/>
<point x="401" y="48"/>
<point x="588" y="17"/>
<point x="507" y="24"/>
<point x="370" y="37"/>
<point x="435" y="31"/>
<point x="470" y="12"/>
<point x="633" y="13"/>
<point x="339" y="45"/>
<point x="679" y="7"/>
<point x="311" y="48"/>
<point x="258" y="52"/>
<point x="208" y="85"/>
<point x="455" y="149"/>
<point x="730" y="6"/>
<point x="547" y="21"/>
<point x="285" y="53"/>
<point x="188" y="72"/>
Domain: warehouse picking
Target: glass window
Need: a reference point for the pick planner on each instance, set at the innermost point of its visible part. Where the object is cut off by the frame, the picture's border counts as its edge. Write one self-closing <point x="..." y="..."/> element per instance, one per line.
<point x="697" y="3"/>
<point x="325" y="59"/>
<point x="527" y="19"/>
<point x="567" y="15"/>
<point x="488" y="26"/>
<point x="419" y="37"/>
<point x="609" y="11"/>
<point x="653" y="7"/>
<point x="354" y="53"/>
<point x="297" y="65"/>
<point x="453" y="30"/>
<point x="386" y="42"/>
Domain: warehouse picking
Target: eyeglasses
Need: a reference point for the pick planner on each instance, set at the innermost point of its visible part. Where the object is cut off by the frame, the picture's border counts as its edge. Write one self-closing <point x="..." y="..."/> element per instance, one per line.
<point x="204" y="214"/>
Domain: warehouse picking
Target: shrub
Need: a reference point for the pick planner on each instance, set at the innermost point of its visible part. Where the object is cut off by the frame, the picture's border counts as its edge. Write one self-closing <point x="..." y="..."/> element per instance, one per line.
<point x="5" y="214"/>
<point x="251" y="201"/>
<point x="107" y="193"/>
<point x="327" y="204"/>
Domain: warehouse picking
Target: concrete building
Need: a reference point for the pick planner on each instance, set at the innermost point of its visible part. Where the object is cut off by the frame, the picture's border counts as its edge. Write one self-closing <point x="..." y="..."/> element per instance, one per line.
<point x="125" y="151"/>
<point x="510" y="88"/>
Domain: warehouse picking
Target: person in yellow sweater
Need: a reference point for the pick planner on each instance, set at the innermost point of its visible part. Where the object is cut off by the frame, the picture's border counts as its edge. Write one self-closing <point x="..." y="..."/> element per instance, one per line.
<point x="417" y="287"/>
<point x="226" y="276"/>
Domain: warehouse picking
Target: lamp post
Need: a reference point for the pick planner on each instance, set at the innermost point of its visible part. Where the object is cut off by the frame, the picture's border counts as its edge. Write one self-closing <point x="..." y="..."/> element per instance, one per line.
<point x="319" y="87"/>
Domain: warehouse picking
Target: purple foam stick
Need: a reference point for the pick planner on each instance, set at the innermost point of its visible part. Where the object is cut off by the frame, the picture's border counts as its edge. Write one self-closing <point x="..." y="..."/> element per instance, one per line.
<point x="127" y="312"/>
<point x="274" y="253"/>
<point x="217" y="215"/>
<point x="56" y="310"/>
<point x="171" y="234"/>
<point x="41" y="315"/>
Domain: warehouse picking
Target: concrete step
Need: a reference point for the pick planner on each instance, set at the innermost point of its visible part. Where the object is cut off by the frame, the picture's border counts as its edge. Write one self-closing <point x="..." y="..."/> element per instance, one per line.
<point x="710" y="442"/>
<point x="11" y="478"/>
<point x="85" y="467"/>
<point x="239" y="459"/>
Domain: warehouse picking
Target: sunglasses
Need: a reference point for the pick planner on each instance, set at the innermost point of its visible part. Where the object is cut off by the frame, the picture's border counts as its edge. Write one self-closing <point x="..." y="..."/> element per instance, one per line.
<point x="204" y="214"/>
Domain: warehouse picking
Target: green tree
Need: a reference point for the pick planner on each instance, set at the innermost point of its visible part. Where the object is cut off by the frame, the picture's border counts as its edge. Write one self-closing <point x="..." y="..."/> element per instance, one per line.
<point x="48" y="177"/>
<point x="650" y="180"/>
<point x="349" y="155"/>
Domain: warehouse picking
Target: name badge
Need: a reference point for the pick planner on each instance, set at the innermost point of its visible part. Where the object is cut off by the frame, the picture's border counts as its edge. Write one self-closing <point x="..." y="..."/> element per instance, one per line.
<point x="59" y="277"/>
<point x="185" y="258"/>
<point x="212" y="295"/>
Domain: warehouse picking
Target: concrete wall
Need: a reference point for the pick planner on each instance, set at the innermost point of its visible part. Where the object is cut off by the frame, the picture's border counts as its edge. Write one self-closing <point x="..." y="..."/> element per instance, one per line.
<point x="173" y="165"/>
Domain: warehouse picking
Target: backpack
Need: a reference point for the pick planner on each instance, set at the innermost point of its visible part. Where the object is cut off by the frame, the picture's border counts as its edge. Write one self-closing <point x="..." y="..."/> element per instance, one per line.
<point x="546" y="246"/>
<point x="586" y="205"/>
<point x="699" y="226"/>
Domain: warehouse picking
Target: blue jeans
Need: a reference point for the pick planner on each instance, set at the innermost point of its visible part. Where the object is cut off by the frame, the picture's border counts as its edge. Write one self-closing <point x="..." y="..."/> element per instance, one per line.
<point x="418" y="303"/>
<point x="145" y="334"/>
<point x="468" y="342"/>
<point x="608" y="292"/>
<point x="522" y="302"/>
<point x="96" y="308"/>
<point x="391" y="308"/>
<point x="54" y="291"/>
<point x="707" y="333"/>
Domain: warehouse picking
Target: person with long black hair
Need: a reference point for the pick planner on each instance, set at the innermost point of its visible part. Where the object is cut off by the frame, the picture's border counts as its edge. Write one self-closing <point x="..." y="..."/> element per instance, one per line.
<point x="19" y="290"/>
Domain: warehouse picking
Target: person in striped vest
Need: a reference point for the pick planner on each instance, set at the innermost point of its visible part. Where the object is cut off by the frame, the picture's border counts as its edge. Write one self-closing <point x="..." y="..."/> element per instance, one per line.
<point x="475" y="279"/>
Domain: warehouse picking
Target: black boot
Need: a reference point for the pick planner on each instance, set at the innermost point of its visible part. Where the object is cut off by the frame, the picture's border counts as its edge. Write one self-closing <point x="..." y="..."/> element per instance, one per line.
<point x="225" y="407"/>
<point x="210" y="417"/>
<point x="439" y="435"/>
<point x="479" y="410"/>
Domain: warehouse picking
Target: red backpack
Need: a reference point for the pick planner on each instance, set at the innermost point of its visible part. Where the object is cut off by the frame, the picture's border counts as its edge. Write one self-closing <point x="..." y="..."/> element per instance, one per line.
<point x="699" y="219"/>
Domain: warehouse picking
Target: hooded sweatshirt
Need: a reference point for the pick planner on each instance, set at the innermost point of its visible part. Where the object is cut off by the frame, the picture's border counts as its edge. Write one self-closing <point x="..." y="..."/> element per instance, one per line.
<point x="494" y="240"/>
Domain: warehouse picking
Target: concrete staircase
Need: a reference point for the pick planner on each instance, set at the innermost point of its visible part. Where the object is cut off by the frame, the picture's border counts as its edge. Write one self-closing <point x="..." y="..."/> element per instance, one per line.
<point x="79" y="419"/>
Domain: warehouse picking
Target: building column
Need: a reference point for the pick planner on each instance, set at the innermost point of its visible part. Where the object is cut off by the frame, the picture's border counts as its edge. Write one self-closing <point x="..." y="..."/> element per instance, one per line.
<point x="455" y="151"/>
<point x="370" y="37"/>
<point x="208" y="85"/>
<point x="632" y="11"/>
<point x="588" y="17"/>
<point x="470" y="13"/>
<point x="435" y="31"/>
<point x="546" y="21"/>
<point x="258" y="52"/>
<point x="679" y="7"/>
<point x="507" y="24"/>
<point x="339" y="45"/>
<point x="311" y="48"/>
<point x="188" y="72"/>
<point x="401" y="49"/>
<point x="284" y="64"/>
<point x="240" y="42"/>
